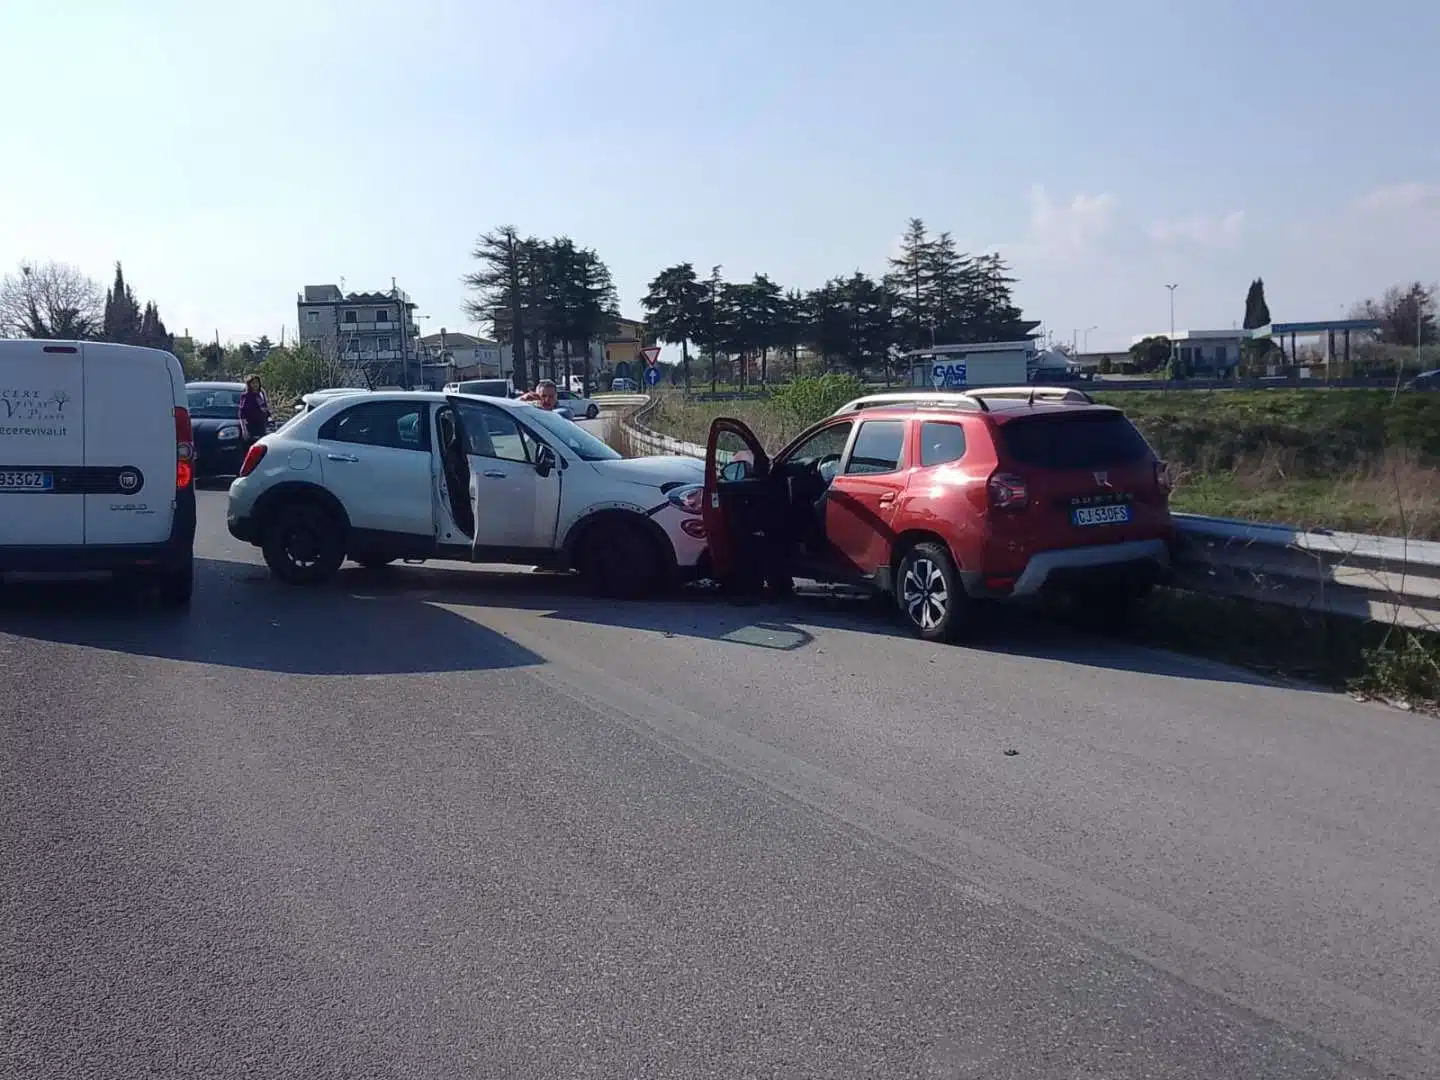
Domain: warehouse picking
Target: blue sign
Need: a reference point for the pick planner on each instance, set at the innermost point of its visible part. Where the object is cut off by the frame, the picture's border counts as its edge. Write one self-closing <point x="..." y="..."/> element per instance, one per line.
<point x="652" y="376"/>
<point x="949" y="376"/>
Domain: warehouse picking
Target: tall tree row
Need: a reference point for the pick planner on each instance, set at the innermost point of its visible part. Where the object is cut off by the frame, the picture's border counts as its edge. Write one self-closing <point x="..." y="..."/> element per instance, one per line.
<point x="933" y="294"/>
<point x="55" y="301"/>
<point x="546" y="299"/>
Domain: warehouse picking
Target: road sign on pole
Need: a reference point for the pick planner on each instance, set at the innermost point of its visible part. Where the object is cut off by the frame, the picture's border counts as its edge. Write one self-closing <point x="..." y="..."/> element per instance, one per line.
<point x="651" y="353"/>
<point x="652" y="376"/>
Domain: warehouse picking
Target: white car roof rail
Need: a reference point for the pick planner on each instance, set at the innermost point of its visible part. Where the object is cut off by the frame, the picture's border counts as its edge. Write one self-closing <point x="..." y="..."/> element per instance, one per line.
<point x="1032" y="393"/>
<point x="933" y="398"/>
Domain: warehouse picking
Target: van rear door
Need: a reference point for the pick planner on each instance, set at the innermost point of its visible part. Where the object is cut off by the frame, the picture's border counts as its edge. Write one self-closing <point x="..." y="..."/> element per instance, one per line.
<point x="42" y="439"/>
<point x="130" y="396"/>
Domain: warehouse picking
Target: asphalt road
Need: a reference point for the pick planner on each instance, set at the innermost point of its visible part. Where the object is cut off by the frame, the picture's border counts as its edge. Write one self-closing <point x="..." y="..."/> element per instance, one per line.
<point x="441" y="822"/>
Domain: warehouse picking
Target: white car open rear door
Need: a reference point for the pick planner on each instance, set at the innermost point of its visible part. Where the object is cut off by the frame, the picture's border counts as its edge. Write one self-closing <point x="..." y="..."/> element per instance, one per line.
<point x="42" y="443"/>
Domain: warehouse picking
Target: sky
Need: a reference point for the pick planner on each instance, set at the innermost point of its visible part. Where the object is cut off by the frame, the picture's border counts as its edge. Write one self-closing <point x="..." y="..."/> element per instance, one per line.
<point x="229" y="154"/>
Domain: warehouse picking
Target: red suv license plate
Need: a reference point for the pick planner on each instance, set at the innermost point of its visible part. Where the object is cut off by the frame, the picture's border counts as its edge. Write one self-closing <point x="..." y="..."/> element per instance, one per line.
<point x="1117" y="514"/>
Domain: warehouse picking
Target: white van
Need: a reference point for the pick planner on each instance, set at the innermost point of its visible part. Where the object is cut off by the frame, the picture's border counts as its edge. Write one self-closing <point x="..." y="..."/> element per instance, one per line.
<point x="96" y="463"/>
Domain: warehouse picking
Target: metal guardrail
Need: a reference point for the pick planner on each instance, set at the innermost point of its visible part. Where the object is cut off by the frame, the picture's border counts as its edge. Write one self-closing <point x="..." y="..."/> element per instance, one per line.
<point x="619" y="399"/>
<point x="1380" y="578"/>
<point x="1109" y="383"/>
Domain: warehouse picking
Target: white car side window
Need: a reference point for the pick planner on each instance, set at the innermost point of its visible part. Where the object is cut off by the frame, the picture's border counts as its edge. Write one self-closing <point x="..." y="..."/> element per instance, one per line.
<point x="495" y="434"/>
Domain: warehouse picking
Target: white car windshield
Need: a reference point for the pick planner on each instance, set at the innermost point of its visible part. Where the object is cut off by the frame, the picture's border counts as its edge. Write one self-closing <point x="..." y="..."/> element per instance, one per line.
<point x="570" y="435"/>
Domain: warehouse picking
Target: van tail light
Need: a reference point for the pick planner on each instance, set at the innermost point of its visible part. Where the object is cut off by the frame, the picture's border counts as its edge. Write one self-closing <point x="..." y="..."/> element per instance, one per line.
<point x="184" y="449"/>
<point x="1163" y="478"/>
<point x="1008" y="492"/>
<point x="253" y="457"/>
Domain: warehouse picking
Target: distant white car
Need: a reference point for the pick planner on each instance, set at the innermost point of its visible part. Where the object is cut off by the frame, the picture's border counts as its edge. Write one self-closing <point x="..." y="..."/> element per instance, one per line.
<point x="578" y="404"/>
<point x="377" y="477"/>
<point x="624" y="386"/>
<point x="316" y="397"/>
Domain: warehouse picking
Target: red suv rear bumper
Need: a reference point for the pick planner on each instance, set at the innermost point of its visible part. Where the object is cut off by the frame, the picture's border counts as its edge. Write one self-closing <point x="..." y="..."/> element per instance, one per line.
<point x="1132" y="562"/>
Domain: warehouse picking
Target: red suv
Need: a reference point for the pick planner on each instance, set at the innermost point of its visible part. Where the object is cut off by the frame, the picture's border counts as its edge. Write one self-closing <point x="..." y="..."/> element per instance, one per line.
<point x="942" y="500"/>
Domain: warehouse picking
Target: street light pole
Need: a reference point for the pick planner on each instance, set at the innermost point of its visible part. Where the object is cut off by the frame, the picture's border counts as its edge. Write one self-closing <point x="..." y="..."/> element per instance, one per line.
<point x="1172" y="289"/>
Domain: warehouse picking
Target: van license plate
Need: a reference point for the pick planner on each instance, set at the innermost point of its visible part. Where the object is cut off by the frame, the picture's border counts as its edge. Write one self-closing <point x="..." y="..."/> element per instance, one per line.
<point x="1100" y="515"/>
<point x="26" y="481"/>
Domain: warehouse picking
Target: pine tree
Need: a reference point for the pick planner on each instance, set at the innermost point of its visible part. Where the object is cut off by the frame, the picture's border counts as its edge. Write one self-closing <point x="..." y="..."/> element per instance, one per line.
<point x="952" y="287"/>
<point x="152" y="330"/>
<point x="909" y="279"/>
<point x="1254" y="352"/>
<point x="122" y="313"/>
<point x="1257" y="311"/>
<point x="674" y="307"/>
<point x="498" y="286"/>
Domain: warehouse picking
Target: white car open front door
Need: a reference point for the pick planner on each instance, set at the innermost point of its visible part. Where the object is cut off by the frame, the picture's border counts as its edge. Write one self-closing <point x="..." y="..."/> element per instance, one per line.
<point x="514" y="482"/>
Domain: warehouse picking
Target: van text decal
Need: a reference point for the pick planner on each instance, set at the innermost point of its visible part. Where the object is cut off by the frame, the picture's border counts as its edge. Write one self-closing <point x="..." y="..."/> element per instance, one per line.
<point x="37" y="413"/>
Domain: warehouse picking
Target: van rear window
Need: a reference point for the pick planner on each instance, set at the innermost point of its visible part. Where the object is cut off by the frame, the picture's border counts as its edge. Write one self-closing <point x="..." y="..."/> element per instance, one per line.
<point x="1078" y="440"/>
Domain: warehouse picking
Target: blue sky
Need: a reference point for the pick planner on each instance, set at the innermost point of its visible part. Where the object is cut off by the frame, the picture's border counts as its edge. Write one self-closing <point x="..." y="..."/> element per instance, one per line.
<point x="230" y="154"/>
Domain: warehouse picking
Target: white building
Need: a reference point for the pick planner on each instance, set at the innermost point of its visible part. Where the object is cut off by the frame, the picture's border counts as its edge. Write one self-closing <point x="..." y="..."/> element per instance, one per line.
<point x="1208" y="352"/>
<point x="374" y="333"/>
<point x="956" y="367"/>
<point x="471" y="357"/>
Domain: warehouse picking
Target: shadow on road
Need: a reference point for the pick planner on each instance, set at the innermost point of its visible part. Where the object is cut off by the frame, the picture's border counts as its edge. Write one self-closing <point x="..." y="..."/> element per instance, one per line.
<point x="241" y="618"/>
<point x="391" y="622"/>
<point x="701" y="613"/>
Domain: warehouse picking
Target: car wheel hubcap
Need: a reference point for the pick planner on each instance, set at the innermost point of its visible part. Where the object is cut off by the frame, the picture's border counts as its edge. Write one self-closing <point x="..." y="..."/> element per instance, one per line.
<point x="924" y="594"/>
<point x="302" y="546"/>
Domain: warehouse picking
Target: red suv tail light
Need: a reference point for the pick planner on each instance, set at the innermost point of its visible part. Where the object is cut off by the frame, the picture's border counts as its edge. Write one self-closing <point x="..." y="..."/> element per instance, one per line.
<point x="253" y="457"/>
<point x="184" y="449"/>
<point x="1008" y="492"/>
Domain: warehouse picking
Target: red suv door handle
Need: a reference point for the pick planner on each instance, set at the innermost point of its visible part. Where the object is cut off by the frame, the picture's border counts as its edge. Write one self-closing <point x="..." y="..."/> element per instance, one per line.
<point x="887" y="498"/>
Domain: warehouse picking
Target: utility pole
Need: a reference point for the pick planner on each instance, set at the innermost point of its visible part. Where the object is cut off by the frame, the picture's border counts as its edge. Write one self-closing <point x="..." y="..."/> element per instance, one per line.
<point x="404" y="318"/>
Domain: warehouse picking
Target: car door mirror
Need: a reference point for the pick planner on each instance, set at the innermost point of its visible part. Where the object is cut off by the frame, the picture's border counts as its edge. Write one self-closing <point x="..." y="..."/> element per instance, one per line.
<point x="545" y="461"/>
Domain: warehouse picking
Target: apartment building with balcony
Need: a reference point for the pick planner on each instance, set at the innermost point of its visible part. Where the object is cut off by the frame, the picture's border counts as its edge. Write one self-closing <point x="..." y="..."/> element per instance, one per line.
<point x="373" y="334"/>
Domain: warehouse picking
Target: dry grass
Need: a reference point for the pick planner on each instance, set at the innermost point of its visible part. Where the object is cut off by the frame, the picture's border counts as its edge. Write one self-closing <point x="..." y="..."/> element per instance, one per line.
<point x="1393" y="495"/>
<point x="690" y="420"/>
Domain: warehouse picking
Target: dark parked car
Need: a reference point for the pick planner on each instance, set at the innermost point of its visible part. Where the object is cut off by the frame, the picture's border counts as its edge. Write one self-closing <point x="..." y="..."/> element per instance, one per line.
<point x="1426" y="380"/>
<point x="215" y="420"/>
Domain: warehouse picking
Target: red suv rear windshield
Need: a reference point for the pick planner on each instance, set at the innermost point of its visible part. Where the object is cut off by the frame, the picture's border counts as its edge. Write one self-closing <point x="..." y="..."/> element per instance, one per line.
<point x="1076" y="440"/>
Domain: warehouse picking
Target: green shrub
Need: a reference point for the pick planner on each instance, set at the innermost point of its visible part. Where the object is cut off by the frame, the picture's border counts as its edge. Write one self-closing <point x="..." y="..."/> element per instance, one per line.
<point x="805" y="401"/>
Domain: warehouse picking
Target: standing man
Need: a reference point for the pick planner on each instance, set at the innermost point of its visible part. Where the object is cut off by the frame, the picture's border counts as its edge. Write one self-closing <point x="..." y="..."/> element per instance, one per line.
<point x="545" y="395"/>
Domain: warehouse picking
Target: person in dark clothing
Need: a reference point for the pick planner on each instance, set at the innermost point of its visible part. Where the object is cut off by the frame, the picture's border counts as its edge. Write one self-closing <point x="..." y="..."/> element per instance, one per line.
<point x="254" y="409"/>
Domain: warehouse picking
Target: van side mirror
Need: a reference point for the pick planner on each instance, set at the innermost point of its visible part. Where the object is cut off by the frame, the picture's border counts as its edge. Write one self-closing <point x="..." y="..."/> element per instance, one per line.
<point x="545" y="461"/>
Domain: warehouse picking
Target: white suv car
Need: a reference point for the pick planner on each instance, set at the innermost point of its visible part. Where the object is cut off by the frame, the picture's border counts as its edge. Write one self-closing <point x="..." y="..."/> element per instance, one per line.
<point x="420" y="475"/>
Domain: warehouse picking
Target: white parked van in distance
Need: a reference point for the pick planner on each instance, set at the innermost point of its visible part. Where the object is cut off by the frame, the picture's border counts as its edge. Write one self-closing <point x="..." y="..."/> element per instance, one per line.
<point x="96" y="463"/>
